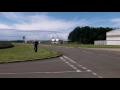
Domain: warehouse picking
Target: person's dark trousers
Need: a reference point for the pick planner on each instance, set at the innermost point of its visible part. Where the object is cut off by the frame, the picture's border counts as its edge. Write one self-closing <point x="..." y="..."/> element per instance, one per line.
<point x="35" y="48"/>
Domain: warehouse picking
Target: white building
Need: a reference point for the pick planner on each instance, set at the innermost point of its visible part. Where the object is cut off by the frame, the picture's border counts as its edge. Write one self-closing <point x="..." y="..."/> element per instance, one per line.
<point x="53" y="40"/>
<point x="112" y="38"/>
<point x="56" y="41"/>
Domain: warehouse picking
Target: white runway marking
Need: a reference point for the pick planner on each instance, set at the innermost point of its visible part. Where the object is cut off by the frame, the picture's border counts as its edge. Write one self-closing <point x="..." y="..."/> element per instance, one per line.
<point x="39" y="72"/>
<point x="70" y="65"/>
<point x="70" y="59"/>
<point x="84" y="68"/>
<point x="77" y="71"/>
<point x="88" y="52"/>
<point x="87" y="70"/>
<point x="100" y="77"/>
<point x="109" y="56"/>
<point x="75" y="50"/>
<point x="94" y="73"/>
<point x="80" y="65"/>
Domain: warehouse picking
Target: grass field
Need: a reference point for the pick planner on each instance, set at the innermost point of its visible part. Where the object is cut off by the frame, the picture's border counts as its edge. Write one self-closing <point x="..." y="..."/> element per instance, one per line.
<point x="25" y="52"/>
<point x="88" y="45"/>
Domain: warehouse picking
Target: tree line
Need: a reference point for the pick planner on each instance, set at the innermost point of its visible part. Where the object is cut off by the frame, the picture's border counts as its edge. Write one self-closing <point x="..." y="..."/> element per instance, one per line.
<point x="87" y="35"/>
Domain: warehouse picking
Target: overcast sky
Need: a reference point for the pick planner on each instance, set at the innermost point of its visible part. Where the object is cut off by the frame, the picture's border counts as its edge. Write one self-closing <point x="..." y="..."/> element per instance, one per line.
<point x="44" y="25"/>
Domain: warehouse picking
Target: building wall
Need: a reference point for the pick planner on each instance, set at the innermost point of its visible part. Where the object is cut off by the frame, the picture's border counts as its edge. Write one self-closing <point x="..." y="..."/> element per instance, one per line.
<point x="116" y="42"/>
<point x="112" y="38"/>
<point x="107" y="42"/>
<point x="113" y="35"/>
<point x="114" y="32"/>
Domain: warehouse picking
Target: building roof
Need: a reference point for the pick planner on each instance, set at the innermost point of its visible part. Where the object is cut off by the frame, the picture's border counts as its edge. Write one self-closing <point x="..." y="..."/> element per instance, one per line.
<point x="114" y="32"/>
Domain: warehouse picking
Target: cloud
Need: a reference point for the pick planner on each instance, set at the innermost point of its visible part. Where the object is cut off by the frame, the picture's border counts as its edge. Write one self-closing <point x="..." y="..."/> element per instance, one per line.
<point x="40" y="22"/>
<point x="14" y="16"/>
<point x="12" y="34"/>
<point x="116" y="22"/>
<point x="33" y="25"/>
<point x="5" y="26"/>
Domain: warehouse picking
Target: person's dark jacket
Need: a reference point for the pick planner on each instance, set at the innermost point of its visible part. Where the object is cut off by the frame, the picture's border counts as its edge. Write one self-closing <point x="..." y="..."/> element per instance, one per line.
<point x="35" y="43"/>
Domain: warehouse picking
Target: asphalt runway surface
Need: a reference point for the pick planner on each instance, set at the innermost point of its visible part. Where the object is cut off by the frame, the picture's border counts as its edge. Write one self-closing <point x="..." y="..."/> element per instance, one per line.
<point x="74" y="63"/>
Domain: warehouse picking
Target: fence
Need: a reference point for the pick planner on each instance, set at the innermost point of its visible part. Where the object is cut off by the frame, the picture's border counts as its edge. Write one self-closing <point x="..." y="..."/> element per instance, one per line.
<point x="5" y="44"/>
<point x="101" y="42"/>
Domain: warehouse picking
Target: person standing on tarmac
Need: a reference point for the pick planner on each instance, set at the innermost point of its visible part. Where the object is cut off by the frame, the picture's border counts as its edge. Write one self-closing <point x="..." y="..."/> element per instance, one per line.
<point x="35" y="45"/>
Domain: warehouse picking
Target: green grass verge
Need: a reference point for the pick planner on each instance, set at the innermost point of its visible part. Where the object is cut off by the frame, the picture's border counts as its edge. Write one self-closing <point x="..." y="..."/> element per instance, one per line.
<point x="87" y="45"/>
<point x="25" y="52"/>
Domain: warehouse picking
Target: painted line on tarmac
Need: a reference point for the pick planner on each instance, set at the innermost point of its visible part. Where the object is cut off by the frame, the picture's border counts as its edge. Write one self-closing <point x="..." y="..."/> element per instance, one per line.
<point x="100" y="77"/>
<point x="45" y="73"/>
<point x="87" y="70"/>
<point x="74" y="62"/>
<point x="109" y="56"/>
<point x="69" y="59"/>
<point x="38" y="72"/>
<point x="83" y="51"/>
<point x="88" y="52"/>
<point x="72" y="66"/>
<point x="76" y="50"/>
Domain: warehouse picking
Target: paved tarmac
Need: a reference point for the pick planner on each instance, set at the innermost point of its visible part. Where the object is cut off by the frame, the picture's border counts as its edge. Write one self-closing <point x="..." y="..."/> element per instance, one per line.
<point x="75" y="63"/>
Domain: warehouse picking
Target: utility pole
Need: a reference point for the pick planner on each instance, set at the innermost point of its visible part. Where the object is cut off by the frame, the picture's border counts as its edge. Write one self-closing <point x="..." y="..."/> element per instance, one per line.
<point x="24" y="39"/>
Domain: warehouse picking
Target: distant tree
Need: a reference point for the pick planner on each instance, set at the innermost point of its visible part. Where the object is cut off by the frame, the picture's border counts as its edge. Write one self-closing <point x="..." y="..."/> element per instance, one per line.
<point x="87" y="35"/>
